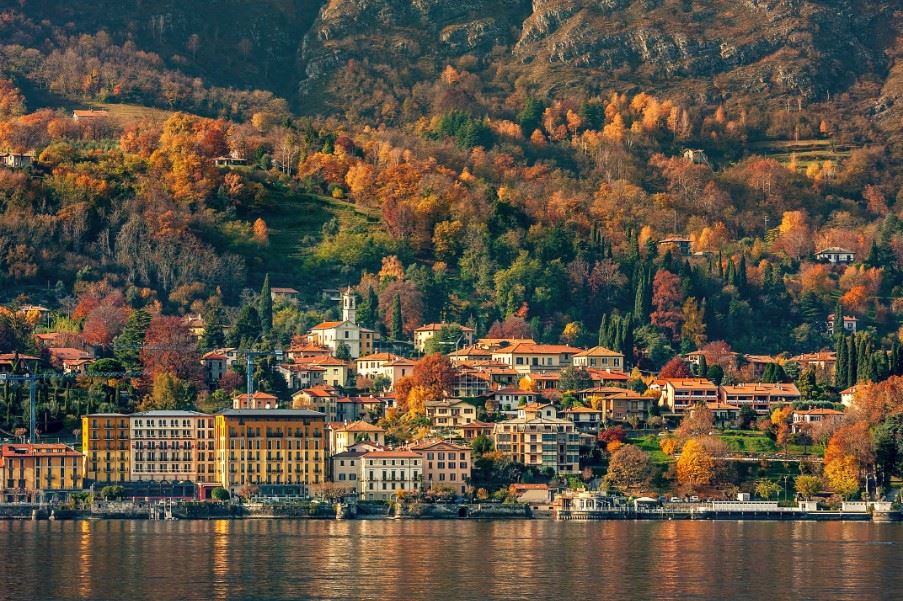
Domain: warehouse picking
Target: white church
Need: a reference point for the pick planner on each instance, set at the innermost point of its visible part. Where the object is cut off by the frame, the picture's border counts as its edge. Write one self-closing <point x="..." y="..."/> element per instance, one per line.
<point x="332" y="334"/>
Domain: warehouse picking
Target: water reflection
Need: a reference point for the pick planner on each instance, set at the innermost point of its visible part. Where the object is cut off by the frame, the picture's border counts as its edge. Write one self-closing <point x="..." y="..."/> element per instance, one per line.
<point x="368" y="559"/>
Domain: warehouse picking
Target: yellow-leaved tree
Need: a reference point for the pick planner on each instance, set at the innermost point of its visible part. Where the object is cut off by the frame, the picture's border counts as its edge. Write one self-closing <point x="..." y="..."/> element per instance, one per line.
<point x="695" y="467"/>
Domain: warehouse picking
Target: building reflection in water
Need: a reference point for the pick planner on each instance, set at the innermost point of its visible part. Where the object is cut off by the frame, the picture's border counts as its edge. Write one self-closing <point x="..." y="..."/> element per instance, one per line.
<point x="85" y="558"/>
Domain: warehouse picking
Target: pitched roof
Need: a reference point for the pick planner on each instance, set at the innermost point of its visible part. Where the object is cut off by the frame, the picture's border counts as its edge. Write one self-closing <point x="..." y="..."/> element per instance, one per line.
<point x="277" y="290"/>
<point x="581" y="410"/>
<point x="689" y="383"/>
<point x="358" y="426"/>
<point x="392" y="455"/>
<point x="477" y="425"/>
<point x="435" y="327"/>
<point x="442" y="445"/>
<point x="320" y="391"/>
<point x="257" y="395"/>
<point x="538" y="349"/>
<point x="271" y="413"/>
<point x="818" y="412"/>
<point x="471" y="351"/>
<point x="599" y="351"/>
<point x="38" y="449"/>
<point x="327" y="325"/>
<point x="386" y="357"/>
<point x="513" y="391"/>
<point x="65" y="353"/>
<point x="835" y="249"/>
<point x="753" y="388"/>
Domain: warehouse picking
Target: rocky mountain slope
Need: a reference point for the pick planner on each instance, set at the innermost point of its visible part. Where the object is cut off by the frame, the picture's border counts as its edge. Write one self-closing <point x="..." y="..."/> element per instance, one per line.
<point x="715" y="47"/>
<point x="329" y="54"/>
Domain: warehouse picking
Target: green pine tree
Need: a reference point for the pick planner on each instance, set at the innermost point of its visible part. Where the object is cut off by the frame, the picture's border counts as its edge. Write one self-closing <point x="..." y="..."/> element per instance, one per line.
<point x="214" y="322"/>
<point x="265" y="309"/>
<point x="127" y="346"/>
<point x="396" y="318"/>
<point x="840" y="371"/>
<point x="838" y="320"/>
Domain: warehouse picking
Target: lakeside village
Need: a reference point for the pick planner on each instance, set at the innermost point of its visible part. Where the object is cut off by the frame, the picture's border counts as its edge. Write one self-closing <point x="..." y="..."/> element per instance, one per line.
<point x="490" y="426"/>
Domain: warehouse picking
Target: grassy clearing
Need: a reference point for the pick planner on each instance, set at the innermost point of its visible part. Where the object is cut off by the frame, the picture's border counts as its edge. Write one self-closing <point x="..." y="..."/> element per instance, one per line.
<point x="805" y="152"/>
<point x="649" y="444"/>
<point x="295" y="222"/>
<point x="132" y="112"/>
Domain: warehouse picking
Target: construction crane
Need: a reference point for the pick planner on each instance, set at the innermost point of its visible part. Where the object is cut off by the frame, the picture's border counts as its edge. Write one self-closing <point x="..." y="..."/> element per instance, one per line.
<point x="251" y="356"/>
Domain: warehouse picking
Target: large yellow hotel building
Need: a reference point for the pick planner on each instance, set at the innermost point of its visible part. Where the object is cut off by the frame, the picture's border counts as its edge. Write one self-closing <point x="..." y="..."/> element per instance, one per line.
<point x="280" y="451"/>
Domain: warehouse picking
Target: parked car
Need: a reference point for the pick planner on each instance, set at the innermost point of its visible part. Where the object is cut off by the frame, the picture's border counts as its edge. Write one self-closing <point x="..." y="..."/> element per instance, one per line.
<point x="694" y="499"/>
<point x="676" y="500"/>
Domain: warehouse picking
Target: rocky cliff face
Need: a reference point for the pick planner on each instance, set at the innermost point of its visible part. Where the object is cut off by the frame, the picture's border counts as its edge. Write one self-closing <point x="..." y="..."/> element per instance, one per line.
<point x="802" y="48"/>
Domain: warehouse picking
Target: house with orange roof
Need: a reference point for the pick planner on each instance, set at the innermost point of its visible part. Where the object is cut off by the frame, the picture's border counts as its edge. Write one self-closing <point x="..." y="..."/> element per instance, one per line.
<point x="724" y="415"/>
<point x="493" y="344"/>
<point x="470" y="353"/>
<point x="70" y="360"/>
<point x="848" y="394"/>
<point x="343" y="435"/>
<point x="318" y="398"/>
<point x="759" y="397"/>
<point x="215" y="366"/>
<point x="373" y="365"/>
<point x="10" y="361"/>
<point x="336" y="372"/>
<point x="680" y="394"/>
<point x="36" y="472"/>
<point x="300" y="351"/>
<point x="445" y="464"/>
<point x="600" y="357"/>
<point x="603" y="377"/>
<point x="257" y="400"/>
<point x="526" y="357"/>
<point x="428" y="331"/>
<point x="821" y="362"/>
<point x="384" y="474"/>
<point x="806" y="419"/>
<point x="476" y="428"/>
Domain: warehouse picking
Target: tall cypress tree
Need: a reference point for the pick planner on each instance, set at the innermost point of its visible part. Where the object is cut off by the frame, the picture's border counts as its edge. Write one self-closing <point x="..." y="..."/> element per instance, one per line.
<point x="838" y="320"/>
<point x="265" y="308"/>
<point x="840" y="370"/>
<point x="396" y="318"/>
<point x="852" y="359"/>
<point x="603" y="331"/>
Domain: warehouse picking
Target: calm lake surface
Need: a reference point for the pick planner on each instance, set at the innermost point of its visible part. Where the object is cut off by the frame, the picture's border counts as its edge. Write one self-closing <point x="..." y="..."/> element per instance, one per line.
<point x="405" y="560"/>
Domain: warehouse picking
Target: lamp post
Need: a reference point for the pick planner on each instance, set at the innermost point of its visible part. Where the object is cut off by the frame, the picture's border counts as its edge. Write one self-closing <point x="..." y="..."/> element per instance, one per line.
<point x="785" y="486"/>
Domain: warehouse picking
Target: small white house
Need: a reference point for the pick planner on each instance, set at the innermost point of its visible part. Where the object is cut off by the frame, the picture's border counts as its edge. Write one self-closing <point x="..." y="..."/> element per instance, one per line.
<point x="835" y="254"/>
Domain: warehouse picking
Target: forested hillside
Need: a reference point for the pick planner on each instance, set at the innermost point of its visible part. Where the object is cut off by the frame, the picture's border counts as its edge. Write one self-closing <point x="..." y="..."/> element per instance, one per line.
<point x="520" y="169"/>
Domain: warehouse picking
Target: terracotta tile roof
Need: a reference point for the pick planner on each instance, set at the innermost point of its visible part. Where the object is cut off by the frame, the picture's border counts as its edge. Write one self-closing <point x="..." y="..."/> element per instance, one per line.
<point x="780" y="388"/>
<point x="327" y="360"/>
<point x="262" y="396"/>
<point x="213" y="355"/>
<point x="818" y="412"/>
<point x="358" y="426"/>
<point x="386" y="357"/>
<point x="320" y="391"/>
<point x="598" y="351"/>
<point x="64" y="353"/>
<point x="513" y="391"/>
<point x="392" y="455"/>
<point x="283" y="290"/>
<point x="327" y="325"/>
<point x="38" y="450"/>
<point x="722" y="406"/>
<point x="471" y="351"/>
<point x="537" y="349"/>
<point x="477" y="425"/>
<point x="690" y="383"/>
<point x="442" y="445"/>
<point x="435" y="327"/>
<point x="604" y="374"/>
<point x="581" y="410"/>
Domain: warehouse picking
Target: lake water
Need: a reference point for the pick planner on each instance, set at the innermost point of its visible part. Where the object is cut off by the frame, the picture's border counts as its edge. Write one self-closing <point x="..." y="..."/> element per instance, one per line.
<point x="425" y="560"/>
